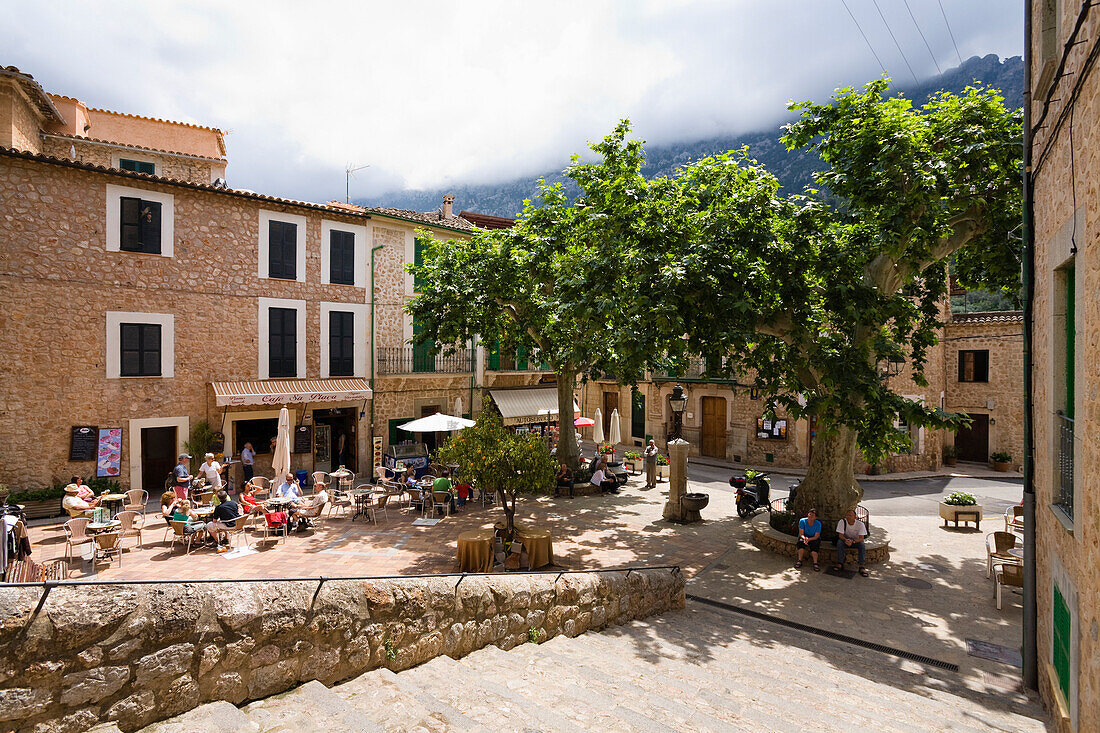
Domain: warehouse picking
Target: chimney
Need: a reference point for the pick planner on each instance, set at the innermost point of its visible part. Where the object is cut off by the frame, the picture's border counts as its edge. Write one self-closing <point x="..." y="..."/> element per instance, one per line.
<point x="448" y="206"/>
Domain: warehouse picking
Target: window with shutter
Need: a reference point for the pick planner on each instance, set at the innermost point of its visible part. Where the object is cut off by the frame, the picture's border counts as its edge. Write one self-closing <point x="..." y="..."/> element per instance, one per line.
<point x="342" y="258"/>
<point x="283" y="339"/>
<point x="974" y="366"/>
<point x="521" y="358"/>
<point x="139" y="225"/>
<point x="1062" y="627"/>
<point x="637" y="414"/>
<point x="423" y="360"/>
<point x="150" y="227"/>
<point x="137" y="166"/>
<point x="341" y="338"/>
<point x="494" y="356"/>
<point x="140" y="350"/>
<point x="282" y="250"/>
<point x="418" y="260"/>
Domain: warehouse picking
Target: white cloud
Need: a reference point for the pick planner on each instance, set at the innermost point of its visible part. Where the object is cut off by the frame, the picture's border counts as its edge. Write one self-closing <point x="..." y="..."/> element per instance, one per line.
<point x="434" y="92"/>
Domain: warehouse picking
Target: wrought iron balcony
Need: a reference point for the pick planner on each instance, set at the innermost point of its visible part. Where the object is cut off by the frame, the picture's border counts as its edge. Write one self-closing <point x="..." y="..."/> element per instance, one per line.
<point x="1064" y="497"/>
<point x="416" y="360"/>
<point x="695" y="369"/>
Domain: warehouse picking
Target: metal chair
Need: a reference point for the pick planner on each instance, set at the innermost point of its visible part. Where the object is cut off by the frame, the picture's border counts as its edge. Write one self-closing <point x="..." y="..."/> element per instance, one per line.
<point x="319" y="478"/>
<point x="180" y="536"/>
<point x="282" y="528"/>
<point x="378" y="502"/>
<point x="131" y="527"/>
<point x="1014" y="519"/>
<point x="136" y="499"/>
<point x="76" y="534"/>
<point x="1010" y="574"/>
<point x="997" y="546"/>
<point x="238" y="528"/>
<point x="261" y="486"/>
<point x="441" y="500"/>
<point x="108" y="544"/>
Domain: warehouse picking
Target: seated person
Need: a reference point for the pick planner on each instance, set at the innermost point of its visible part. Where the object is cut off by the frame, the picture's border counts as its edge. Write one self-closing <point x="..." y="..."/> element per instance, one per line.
<point x="184" y="513"/>
<point x="850" y="533"/>
<point x="564" y="478"/>
<point x="74" y="505"/>
<point x="247" y="498"/>
<point x="311" y="508"/>
<point x="809" y="538"/>
<point x="168" y="502"/>
<point x="83" y="490"/>
<point x="443" y="483"/>
<point x="289" y="489"/>
<point x="224" y="517"/>
<point x="605" y="484"/>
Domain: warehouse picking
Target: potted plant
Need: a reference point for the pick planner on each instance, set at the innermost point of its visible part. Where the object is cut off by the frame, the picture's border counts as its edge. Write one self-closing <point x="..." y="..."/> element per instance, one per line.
<point x="39" y="503"/>
<point x="605" y="449"/>
<point x="1002" y="461"/>
<point x="959" y="506"/>
<point x="950" y="457"/>
<point x="662" y="466"/>
<point x="633" y="461"/>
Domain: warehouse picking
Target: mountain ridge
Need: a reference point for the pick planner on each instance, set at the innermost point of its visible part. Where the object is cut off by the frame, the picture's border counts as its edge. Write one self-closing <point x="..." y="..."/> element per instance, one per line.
<point x="794" y="169"/>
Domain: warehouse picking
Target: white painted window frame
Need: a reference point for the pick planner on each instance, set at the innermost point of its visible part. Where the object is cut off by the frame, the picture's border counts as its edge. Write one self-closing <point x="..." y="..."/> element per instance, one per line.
<point x="263" y="332"/>
<point x="113" y="357"/>
<point x="117" y="158"/>
<point x="267" y="217"/>
<point x="362" y="267"/>
<point x="113" y="226"/>
<point x="360" y="320"/>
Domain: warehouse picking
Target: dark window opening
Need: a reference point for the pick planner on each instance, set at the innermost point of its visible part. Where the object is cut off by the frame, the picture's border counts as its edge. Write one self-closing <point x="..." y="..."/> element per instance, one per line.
<point x="139" y="350"/>
<point x="342" y="258"/>
<point x="139" y="225"/>
<point x="341" y="339"/>
<point x="259" y="433"/>
<point x="283" y="337"/>
<point x="974" y="366"/>
<point x="282" y="250"/>
<point x="137" y="166"/>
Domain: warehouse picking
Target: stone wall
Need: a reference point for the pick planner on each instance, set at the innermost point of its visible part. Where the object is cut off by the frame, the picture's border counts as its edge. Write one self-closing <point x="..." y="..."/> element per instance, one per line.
<point x="167" y="166"/>
<point x="137" y="654"/>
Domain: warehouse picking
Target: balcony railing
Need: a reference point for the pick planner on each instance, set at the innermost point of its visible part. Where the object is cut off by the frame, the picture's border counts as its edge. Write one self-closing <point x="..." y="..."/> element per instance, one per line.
<point x="413" y="360"/>
<point x="694" y="368"/>
<point x="1065" y="464"/>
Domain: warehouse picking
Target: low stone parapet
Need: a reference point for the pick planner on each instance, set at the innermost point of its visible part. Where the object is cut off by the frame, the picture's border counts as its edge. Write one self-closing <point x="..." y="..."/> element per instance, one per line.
<point x="767" y="537"/>
<point x="135" y="654"/>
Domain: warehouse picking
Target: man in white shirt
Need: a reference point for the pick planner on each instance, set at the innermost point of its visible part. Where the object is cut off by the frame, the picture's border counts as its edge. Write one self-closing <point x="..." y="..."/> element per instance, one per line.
<point x="850" y="532"/>
<point x="600" y="480"/>
<point x="212" y="470"/>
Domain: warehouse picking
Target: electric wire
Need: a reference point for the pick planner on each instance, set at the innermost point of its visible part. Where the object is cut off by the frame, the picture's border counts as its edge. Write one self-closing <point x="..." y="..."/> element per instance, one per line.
<point x="950" y="32"/>
<point x="921" y="33"/>
<point x="891" y="32"/>
<point x="865" y="39"/>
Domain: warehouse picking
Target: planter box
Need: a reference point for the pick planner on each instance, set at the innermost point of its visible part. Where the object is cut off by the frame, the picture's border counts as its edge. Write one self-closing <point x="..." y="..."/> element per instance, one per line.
<point x="950" y="461"/>
<point x="42" y="509"/>
<point x="634" y="466"/>
<point x="1001" y="466"/>
<point x="964" y="514"/>
<point x="662" y="472"/>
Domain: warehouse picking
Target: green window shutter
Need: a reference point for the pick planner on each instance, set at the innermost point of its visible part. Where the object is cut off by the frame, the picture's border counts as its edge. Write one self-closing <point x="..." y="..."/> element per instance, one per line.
<point x="396" y="436"/>
<point x="494" y="356"/>
<point x="637" y="414"/>
<point x="521" y="358"/>
<point x="1071" y="336"/>
<point x="1062" y="628"/>
<point x="423" y="360"/>
<point x="418" y="260"/>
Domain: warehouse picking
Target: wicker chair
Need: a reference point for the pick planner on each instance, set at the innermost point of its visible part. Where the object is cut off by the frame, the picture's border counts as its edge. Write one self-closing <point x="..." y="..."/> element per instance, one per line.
<point x="1014" y="519"/>
<point x="997" y="545"/>
<point x="319" y="478"/>
<point x="76" y="534"/>
<point x="132" y="523"/>
<point x="136" y="499"/>
<point x="108" y="544"/>
<point x="1010" y="574"/>
<point x="261" y="486"/>
<point x="178" y="535"/>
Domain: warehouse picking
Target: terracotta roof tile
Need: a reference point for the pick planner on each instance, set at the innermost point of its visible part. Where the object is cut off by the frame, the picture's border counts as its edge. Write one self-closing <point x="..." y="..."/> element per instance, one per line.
<point x="433" y="218"/>
<point x="487" y="221"/>
<point x="80" y="138"/>
<point x="154" y="119"/>
<point x="35" y="91"/>
<point x="989" y="317"/>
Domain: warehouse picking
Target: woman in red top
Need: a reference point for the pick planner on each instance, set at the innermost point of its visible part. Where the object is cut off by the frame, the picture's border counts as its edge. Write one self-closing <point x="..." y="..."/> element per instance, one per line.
<point x="247" y="499"/>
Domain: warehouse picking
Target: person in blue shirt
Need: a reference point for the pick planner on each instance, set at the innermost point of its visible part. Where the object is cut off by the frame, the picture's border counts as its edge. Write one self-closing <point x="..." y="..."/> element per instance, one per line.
<point x="289" y="489"/>
<point x="809" y="538"/>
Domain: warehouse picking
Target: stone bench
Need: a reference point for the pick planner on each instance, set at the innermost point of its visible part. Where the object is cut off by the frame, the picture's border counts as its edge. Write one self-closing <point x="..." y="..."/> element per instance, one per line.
<point x="768" y="538"/>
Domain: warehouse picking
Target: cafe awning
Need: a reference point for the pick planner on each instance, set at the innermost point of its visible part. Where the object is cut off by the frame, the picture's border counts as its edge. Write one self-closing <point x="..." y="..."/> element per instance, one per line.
<point x="290" y="392"/>
<point x="525" y="406"/>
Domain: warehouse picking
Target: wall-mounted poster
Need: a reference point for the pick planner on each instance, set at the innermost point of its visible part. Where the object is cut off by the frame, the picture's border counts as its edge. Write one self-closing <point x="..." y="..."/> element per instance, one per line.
<point x="377" y="459"/>
<point x="109" y="455"/>
<point x="771" y="429"/>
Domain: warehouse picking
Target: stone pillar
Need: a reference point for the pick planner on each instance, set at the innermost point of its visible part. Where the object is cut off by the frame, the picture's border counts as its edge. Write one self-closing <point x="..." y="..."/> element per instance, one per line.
<point x="677" y="479"/>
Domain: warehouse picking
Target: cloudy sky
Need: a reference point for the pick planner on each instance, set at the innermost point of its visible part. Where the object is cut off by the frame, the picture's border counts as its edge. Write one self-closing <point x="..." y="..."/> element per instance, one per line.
<point x="429" y="93"/>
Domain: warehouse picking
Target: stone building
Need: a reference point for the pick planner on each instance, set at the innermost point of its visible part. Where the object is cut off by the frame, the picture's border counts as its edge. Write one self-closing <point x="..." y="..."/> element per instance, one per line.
<point x="976" y="368"/>
<point x="143" y="295"/>
<point x="1065" y="175"/>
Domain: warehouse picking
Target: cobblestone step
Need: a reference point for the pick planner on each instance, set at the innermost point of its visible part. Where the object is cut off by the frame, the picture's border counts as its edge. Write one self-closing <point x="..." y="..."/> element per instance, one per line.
<point x="213" y="717"/>
<point x="310" y="707"/>
<point x="398" y="703"/>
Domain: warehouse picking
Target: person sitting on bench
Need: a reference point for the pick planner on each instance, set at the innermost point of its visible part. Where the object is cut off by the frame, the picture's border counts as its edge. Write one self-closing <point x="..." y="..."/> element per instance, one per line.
<point x="809" y="538"/>
<point x="850" y="532"/>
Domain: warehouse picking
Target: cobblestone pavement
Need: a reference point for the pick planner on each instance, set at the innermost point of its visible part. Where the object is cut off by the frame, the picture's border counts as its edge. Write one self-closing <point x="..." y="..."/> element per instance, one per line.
<point x="929" y="598"/>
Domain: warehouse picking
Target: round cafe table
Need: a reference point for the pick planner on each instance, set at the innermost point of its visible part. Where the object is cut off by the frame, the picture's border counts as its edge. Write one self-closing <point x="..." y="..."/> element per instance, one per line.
<point x="203" y="511"/>
<point x="539" y="545"/>
<point x="475" y="550"/>
<point x="97" y="527"/>
<point x="113" y="502"/>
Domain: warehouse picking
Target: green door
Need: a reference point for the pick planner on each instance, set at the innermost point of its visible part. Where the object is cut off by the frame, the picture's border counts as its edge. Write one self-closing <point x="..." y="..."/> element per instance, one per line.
<point x="637" y="414"/>
<point x="423" y="360"/>
<point x="1062" y="629"/>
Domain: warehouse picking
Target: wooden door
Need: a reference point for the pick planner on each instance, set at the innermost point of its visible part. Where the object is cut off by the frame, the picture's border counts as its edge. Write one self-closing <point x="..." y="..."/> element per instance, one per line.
<point x="714" y="427"/>
<point x="610" y="404"/>
<point x="972" y="443"/>
<point x="158" y="458"/>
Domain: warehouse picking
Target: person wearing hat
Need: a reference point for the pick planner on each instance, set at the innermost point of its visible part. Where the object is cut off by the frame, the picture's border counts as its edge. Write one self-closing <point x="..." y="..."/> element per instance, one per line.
<point x="74" y="505"/>
<point x="183" y="476"/>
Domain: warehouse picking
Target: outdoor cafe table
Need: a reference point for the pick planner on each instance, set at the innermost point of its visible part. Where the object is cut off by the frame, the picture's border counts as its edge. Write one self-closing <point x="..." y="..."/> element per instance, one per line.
<point x="539" y="545"/>
<point x="363" y="499"/>
<point x="203" y="511"/>
<point x="97" y="527"/>
<point x="475" y="550"/>
<point x="113" y="502"/>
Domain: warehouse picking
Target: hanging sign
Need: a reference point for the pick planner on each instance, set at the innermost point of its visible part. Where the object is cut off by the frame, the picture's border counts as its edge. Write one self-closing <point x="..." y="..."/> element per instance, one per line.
<point x="109" y="455"/>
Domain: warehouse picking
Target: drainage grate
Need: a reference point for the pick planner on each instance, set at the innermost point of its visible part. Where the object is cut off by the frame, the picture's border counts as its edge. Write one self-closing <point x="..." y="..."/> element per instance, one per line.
<point x="900" y="653"/>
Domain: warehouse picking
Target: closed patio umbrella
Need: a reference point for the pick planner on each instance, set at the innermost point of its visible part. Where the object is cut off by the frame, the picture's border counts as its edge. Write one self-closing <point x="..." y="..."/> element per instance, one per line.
<point x="615" y="435"/>
<point x="597" y="429"/>
<point x="458" y="406"/>
<point x="280" y="462"/>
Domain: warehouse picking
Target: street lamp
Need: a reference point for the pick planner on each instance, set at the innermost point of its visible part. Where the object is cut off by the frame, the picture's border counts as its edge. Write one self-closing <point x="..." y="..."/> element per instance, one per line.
<point x="890" y="367"/>
<point x="677" y="402"/>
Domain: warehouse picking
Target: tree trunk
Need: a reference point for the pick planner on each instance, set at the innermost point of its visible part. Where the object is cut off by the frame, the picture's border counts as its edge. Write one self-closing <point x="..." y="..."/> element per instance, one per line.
<point x="568" y="452"/>
<point x="830" y="485"/>
<point x="509" y="514"/>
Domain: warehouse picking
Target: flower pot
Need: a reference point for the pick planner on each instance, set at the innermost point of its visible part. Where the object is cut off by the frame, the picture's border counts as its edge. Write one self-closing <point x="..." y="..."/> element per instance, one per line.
<point x="950" y="461"/>
<point x="1001" y="466"/>
<point x="955" y="513"/>
<point x="634" y="466"/>
<point x="696" y="502"/>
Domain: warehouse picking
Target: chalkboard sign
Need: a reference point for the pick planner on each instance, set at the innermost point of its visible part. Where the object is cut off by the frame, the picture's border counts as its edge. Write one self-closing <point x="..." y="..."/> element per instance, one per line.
<point x="85" y="440"/>
<point x="217" y="442"/>
<point x="302" y="442"/>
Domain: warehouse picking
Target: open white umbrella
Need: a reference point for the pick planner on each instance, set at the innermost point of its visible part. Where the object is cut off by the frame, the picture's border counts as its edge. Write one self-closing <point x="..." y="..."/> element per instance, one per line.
<point x="437" y="423"/>
<point x="597" y="429"/>
<point x="615" y="435"/>
<point x="280" y="462"/>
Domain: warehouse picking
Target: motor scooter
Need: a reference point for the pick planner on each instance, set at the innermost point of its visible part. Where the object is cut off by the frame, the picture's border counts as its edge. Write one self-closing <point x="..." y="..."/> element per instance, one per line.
<point x="751" y="497"/>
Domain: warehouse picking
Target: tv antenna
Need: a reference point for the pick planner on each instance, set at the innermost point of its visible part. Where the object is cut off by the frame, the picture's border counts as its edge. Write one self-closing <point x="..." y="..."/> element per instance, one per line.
<point x="347" y="180"/>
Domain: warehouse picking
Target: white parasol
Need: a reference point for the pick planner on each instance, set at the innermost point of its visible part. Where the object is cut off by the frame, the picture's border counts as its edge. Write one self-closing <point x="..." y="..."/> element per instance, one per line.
<point x="458" y="405"/>
<point x="280" y="462"/>
<point x="437" y="423"/>
<point x="615" y="435"/>
<point x="597" y="429"/>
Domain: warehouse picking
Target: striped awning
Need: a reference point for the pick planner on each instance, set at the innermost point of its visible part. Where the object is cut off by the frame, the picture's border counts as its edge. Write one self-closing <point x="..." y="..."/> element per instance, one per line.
<point x="288" y="392"/>
<point x="530" y="405"/>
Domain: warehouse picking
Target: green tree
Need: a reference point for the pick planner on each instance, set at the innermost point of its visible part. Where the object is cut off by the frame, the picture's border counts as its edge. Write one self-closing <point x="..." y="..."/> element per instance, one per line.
<point x="810" y="294"/>
<point x="562" y="282"/>
<point x="501" y="462"/>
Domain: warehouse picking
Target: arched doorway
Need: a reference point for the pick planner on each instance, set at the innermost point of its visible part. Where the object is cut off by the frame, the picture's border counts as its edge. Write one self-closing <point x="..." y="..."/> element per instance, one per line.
<point x="714" y="427"/>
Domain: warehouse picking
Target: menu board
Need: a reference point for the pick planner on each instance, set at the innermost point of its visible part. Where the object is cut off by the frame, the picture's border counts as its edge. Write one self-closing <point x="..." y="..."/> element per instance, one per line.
<point x="302" y="443"/>
<point x="109" y="456"/>
<point x="377" y="460"/>
<point x="82" y="445"/>
<point x="324" y="438"/>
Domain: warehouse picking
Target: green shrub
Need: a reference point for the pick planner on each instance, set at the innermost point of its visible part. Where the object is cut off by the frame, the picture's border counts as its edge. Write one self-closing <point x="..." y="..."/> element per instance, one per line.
<point x="960" y="498"/>
<point x="1001" y="457"/>
<point x="25" y="496"/>
<point x="105" y="485"/>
